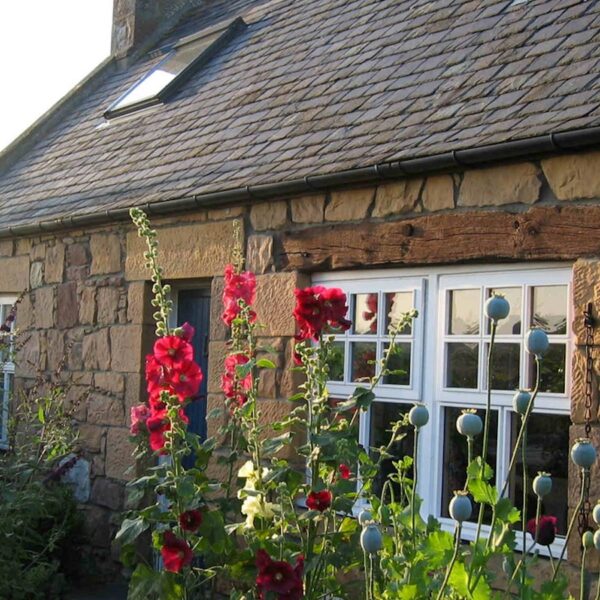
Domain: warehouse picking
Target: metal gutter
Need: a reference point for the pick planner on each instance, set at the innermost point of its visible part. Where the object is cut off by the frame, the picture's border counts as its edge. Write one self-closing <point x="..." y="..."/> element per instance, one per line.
<point x="535" y="147"/>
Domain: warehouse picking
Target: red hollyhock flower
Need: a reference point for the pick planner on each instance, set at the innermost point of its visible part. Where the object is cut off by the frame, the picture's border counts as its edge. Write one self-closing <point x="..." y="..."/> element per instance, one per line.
<point x="317" y="307"/>
<point x="157" y="424"/>
<point x="238" y="286"/>
<point x="234" y="388"/>
<point x="319" y="500"/>
<point x="185" y="379"/>
<point x="187" y="332"/>
<point x="190" y="520"/>
<point x="171" y="350"/>
<point x="175" y="552"/>
<point x="546" y="529"/>
<point x="154" y="373"/>
<point x="279" y="577"/>
<point x="139" y="414"/>
<point x="345" y="472"/>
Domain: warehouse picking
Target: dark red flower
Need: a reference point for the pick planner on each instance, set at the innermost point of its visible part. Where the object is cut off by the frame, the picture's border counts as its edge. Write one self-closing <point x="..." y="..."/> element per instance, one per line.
<point x="345" y="472"/>
<point x="175" y="552"/>
<point x="154" y="373"/>
<point x="238" y="287"/>
<point x="157" y="424"/>
<point x="546" y="530"/>
<point x="190" y="520"/>
<point x="171" y="350"/>
<point x="187" y="332"/>
<point x="279" y="577"/>
<point x="184" y="379"/>
<point x="139" y="414"/>
<point x="317" y="307"/>
<point x="319" y="500"/>
<point x="233" y="387"/>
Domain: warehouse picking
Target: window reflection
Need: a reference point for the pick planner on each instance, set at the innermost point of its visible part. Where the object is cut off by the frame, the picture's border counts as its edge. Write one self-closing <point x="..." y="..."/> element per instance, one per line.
<point x="335" y="361"/>
<point x="464" y="312"/>
<point x="399" y="362"/>
<point x="364" y="355"/>
<point x="462" y="362"/>
<point x="397" y="304"/>
<point x="365" y="313"/>
<point x="505" y="367"/>
<point x="512" y="324"/>
<point x="550" y="308"/>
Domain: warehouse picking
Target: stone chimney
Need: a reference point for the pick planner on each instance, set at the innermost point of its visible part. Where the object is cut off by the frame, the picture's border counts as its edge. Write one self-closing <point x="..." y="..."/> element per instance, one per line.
<point x="137" y="21"/>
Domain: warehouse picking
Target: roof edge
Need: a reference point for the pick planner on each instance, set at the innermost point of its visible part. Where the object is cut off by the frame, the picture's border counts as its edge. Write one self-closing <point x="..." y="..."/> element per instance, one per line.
<point x="536" y="147"/>
<point x="28" y="138"/>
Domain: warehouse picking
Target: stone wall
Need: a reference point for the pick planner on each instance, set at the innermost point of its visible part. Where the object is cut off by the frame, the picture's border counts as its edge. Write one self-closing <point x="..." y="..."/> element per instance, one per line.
<point x="89" y="293"/>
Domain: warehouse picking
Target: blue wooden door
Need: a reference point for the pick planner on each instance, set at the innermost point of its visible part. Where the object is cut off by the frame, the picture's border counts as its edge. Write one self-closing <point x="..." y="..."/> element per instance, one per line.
<point x="193" y="306"/>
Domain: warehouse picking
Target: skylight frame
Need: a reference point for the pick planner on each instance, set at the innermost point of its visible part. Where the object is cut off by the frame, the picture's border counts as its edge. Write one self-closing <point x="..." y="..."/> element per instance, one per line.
<point x="224" y="32"/>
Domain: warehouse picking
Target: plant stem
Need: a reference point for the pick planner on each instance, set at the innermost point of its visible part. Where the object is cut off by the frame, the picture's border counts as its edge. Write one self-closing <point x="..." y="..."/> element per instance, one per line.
<point x="470" y="441"/>
<point x="582" y="575"/>
<point x="451" y="565"/>
<point x="585" y="475"/>
<point x="524" y="508"/>
<point x="414" y="487"/>
<point x="597" y="597"/>
<point x="367" y="577"/>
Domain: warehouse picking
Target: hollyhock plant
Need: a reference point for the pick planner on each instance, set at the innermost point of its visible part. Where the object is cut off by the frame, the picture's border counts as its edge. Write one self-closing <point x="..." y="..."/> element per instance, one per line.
<point x="238" y="287"/>
<point x="190" y="520"/>
<point x="171" y="351"/>
<point x="154" y="373"/>
<point x="317" y="307"/>
<point x="158" y="424"/>
<point x="279" y="577"/>
<point x="546" y="529"/>
<point x="175" y="553"/>
<point x="185" y="379"/>
<point x="234" y="388"/>
<point x="139" y="415"/>
<point x="345" y="472"/>
<point x="319" y="500"/>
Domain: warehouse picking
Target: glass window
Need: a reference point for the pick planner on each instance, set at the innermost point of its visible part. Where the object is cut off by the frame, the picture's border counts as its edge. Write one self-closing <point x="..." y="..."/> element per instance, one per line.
<point x="465" y="309"/>
<point x="7" y="367"/>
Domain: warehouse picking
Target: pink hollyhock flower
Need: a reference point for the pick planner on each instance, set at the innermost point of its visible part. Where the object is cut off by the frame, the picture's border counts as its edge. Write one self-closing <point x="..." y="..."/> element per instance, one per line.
<point x="317" y="307"/>
<point x="187" y="332"/>
<point x="175" y="552"/>
<point x="546" y="529"/>
<point x="171" y="350"/>
<point x="185" y="379"/>
<point x="234" y="388"/>
<point x="345" y="472"/>
<point x="190" y="520"/>
<point x="319" y="500"/>
<point x="154" y="373"/>
<point x="279" y="577"/>
<point x="238" y="286"/>
<point x="139" y="414"/>
<point x="157" y="424"/>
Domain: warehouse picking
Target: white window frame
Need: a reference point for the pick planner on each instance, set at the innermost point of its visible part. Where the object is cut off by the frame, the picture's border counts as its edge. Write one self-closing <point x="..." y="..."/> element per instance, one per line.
<point x="8" y="369"/>
<point x="429" y="338"/>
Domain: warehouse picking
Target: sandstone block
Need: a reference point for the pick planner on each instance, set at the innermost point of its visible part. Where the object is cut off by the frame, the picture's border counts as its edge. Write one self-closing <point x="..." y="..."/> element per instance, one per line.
<point x="113" y="383"/>
<point x="126" y="348"/>
<point x="259" y="254"/>
<point x="87" y="306"/>
<point x="217" y="351"/>
<point x="268" y="383"/>
<point x="15" y="274"/>
<point x="105" y="410"/>
<point x="139" y="309"/>
<point x="107" y="493"/>
<point x="76" y="255"/>
<point x="119" y="451"/>
<point x="25" y="316"/>
<point x="106" y="253"/>
<point x="308" y="209"/>
<point x="275" y="302"/>
<point x="135" y="390"/>
<point x="44" y="307"/>
<point x="216" y="414"/>
<point x="91" y="437"/>
<point x="574" y="176"/>
<point x="397" y="197"/>
<point x="586" y="288"/>
<point x="56" y="348"/>
<point x="30" y="356"/>
<point x="96" y="350"/>
<point x="55" y="263"/>
<point x="496" y="186"/>
<point x="23" y="245"/>
<point x="438" y="193"/>
<point x="107" y="299"/>
<point x="349" y="205"/>
<point x="75" y="357"/>
<point x="38" y="252"/>
<point x="187" y="251"/>
<point x="6" y="247"/>
<point x="268" y="215"/>
<point x="218" y="330"/>
<point x="217" y="214"/>
<point x="67" y="308"/>
<point x="97" y="526"/>
<point x="36" y="275"/>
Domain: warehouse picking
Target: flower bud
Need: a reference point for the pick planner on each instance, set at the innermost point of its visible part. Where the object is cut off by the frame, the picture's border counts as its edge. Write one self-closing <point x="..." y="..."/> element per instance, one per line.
<point x="587" y="540"/>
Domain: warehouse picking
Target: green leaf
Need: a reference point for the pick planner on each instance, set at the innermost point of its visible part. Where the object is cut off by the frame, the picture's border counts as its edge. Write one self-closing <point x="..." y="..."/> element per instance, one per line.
<point x="474" y="470"/>
<point x="41" y="416"/>
<point x="130" y="530"/>
<point x="363" y="397"/>
<point x="408" y="592"/>
<point x="273" y="445"/>
<point x="265" y="363"/>
<point x="483" y="492"/>
<point x="506" y="512"/>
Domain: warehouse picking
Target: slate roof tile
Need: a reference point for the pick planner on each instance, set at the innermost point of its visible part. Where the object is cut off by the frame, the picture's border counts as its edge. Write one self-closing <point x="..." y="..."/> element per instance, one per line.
<point x="318" y="86"/>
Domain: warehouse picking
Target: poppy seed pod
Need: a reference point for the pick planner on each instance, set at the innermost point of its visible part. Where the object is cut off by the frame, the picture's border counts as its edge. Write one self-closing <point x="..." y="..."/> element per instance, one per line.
<point x="597" y="539"/>
<point x="469" y="424"/>
<point x="370" y="539"/>
<point x="460" y="507"/>
<point x="583" y="454"/>
<point x="596" y="513"/>
<point x="497" y="308"/>
<point x="418" y="415"/>
<point x="542" y="484"/>
<point x="521" y="401"/>
<point x="536" y="341"/>
<point x="587" y="540"/>
<point x="364" y="517"/>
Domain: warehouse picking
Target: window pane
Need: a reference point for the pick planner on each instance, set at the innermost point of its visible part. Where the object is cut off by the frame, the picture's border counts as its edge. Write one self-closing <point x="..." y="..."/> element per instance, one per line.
<point x="383" y="414"/>
<point x="464" y="312"/>
<point x="396" y="304"/>
<point x="552" y="370"/>
<point x="547" y="450"/>
<point x="505" y="366"/>
<point x="550" y="308"/>
<point x="455" y="455"/>
<point x="335" y="361"/>
<point x="512" y="324"/>
<point x="363" y="360"/>
<point x="365" y="313"/>
<point x="399" y="361"/>
<point x="462" y="361"/>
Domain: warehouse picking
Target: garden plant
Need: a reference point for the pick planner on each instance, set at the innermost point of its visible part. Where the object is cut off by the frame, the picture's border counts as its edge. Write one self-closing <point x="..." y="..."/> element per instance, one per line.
<point x="298" y="514"/>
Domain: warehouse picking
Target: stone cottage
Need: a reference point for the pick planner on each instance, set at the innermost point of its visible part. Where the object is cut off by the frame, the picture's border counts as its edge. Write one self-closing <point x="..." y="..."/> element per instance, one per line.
<point x="417" y="154"/>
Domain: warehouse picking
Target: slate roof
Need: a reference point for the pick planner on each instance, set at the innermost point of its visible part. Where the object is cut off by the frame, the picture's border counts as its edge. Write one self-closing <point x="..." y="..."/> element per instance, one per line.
<point x="319" y="86"/>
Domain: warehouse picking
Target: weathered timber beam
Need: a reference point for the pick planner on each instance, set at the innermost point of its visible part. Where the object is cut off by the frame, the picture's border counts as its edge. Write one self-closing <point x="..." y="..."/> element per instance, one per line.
<point x="541" y="233"/>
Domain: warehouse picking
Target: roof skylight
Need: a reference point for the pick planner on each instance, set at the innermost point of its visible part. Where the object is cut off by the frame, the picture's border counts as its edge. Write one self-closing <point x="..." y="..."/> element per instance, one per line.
<point x="180" y="62"/>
